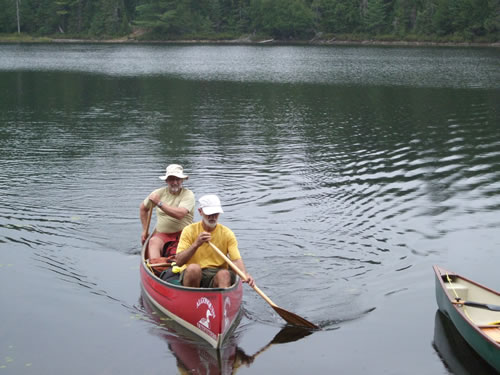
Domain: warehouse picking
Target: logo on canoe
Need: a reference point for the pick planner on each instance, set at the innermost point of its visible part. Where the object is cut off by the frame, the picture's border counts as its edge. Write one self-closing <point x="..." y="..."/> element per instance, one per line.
<point x="210" y="312"/>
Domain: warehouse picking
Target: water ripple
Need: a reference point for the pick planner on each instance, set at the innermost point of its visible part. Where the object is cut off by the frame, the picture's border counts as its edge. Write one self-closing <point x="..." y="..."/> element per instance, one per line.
<point x="338" y="65"/>
<point x="326" y="185"/>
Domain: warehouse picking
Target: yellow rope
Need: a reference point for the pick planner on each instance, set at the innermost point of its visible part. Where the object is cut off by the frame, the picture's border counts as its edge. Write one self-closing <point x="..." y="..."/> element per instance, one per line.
<point x="458" y="298"/>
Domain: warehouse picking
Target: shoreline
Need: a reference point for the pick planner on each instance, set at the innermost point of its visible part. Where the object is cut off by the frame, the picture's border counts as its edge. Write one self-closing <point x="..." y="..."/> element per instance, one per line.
<point x="247" y="41"/>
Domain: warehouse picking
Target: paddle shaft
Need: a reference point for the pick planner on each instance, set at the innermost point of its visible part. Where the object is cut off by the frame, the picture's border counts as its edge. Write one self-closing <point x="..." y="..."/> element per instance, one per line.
<point x="150" y="213"/>
<point x="160" y="264"/>
<point x="241" y="274"/>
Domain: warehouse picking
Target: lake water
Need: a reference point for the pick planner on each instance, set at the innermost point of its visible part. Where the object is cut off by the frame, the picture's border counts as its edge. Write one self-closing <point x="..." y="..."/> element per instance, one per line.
<point x="345" y="173"/>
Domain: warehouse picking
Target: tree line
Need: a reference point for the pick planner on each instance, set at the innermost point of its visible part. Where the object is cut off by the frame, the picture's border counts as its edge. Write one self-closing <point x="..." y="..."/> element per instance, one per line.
<point x="278" y="19"/>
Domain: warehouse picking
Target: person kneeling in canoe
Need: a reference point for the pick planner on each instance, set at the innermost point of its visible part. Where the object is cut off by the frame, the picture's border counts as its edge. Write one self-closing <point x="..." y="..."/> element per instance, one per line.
<point x="174" y="210"/>
<point x="205" y="268"/>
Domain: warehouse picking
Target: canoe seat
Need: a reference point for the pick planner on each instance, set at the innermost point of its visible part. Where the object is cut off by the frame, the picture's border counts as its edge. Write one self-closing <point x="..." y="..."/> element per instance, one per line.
<point x="461" y="290"/>
<point x="493" y="332"/>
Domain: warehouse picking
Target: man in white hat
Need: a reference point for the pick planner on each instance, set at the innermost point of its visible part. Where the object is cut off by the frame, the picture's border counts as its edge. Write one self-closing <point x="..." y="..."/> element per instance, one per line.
<point x="203" y="266"/>
<point x="174" y="210"/>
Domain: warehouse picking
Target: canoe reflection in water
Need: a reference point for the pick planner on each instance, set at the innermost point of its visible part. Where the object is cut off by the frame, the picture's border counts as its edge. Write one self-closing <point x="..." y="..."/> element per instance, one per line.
<point x="194" y="356"/>
<point x="455" y="352"/>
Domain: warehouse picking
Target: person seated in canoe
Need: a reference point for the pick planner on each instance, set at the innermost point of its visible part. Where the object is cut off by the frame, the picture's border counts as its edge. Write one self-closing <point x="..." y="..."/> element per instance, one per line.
<point x="174" y="210"/>
<point x="203" y="266"/>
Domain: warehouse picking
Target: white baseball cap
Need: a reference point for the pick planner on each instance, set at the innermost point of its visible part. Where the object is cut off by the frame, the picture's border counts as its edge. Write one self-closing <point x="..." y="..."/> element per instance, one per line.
<point x="210" y="204"/>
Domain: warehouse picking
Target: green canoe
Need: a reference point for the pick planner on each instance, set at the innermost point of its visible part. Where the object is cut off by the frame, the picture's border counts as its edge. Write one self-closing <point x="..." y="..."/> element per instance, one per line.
<point x="474" y="310"/>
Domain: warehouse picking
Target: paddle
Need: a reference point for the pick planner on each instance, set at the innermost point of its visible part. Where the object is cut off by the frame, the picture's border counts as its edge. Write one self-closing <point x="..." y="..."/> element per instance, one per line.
<point x="150" y="213"/>
<point x="486" y="306"/>
<point x="288" y="316"/>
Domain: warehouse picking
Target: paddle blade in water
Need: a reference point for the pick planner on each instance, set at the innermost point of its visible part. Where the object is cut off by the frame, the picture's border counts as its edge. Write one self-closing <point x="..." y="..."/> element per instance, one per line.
<point x="288" y="316"/>
<point x="294" y="318"/>
<point x="290" y="334"/>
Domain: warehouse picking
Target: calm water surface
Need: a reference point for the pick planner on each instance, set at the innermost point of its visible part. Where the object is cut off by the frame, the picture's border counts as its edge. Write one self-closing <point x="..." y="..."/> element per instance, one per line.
<point x="345" y="172"/>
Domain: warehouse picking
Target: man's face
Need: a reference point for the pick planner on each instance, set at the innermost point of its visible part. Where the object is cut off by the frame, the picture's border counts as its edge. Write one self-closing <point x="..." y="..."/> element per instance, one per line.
<point x="209" y="220"/>
<point x="174" y="184"/>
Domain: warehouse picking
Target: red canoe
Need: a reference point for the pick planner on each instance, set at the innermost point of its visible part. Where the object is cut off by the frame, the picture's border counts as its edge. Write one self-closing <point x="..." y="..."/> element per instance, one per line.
<point x="211" y="313"/>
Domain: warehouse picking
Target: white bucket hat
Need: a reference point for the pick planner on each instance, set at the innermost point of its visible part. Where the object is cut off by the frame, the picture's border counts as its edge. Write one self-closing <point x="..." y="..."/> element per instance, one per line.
<point x="174" y="170"/>
<point x="210" y="204"/>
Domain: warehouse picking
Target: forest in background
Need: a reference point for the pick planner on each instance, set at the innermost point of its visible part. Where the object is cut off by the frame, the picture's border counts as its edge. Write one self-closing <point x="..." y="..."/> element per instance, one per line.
<point x="414" y="20"/>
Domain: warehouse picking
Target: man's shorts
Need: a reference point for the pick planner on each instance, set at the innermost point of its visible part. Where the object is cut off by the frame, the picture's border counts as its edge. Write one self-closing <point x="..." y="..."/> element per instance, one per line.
<point x="170" y="240"/>
<point x="207" y="277"/>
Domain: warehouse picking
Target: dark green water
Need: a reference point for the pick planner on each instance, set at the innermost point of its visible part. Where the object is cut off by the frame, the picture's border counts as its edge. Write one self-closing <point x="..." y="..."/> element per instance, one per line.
<point x="345" y="172"/>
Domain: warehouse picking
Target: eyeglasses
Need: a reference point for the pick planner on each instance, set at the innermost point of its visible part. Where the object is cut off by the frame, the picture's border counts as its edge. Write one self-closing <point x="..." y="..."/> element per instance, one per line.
<point x="173" y="179"/>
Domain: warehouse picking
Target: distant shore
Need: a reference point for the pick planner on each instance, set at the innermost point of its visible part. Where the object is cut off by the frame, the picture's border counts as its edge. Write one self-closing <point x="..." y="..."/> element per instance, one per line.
<point x="246" y="41"/>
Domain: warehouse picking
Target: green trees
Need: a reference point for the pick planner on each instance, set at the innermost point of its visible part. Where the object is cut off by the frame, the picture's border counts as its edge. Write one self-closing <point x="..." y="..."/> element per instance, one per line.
<point x="79" y="17"/>
<point x="279" y="19"/>
<point x="8" y="16"/>
<point x="162" y="16"/>
<point x="170" y="17"/>
<point x="466" y="18"/>
<point x="405" y="16"/>
<point x="339" y="16"/>
<point x="110" y="18"/>
<point x="375" y="17"/>
<point x="282" y="19"/>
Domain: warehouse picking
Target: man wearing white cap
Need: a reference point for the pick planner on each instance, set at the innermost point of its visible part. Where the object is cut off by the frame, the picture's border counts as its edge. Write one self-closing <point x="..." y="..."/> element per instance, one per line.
<point x="203" y="266"/>
<point x="174" y="210"/>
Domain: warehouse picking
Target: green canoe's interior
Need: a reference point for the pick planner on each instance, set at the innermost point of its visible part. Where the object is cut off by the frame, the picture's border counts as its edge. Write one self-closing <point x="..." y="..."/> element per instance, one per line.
<point x="487" y="320"/>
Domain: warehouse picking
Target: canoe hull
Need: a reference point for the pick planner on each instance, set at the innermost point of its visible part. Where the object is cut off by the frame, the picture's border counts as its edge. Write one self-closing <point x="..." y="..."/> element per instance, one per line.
<point x="454" y="351"/>
<point x="211" y="313"/>
<point x="483" y="344"/>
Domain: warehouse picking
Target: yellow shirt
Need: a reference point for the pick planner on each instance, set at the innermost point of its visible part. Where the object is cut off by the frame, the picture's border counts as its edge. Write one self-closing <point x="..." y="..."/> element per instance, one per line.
<point x="169" y="224"/>
<point x="205" y="256"/>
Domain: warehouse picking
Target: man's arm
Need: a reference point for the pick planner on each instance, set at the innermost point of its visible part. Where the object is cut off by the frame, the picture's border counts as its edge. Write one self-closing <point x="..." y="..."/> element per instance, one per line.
<point x="176" y="212"/>
<point x="239" y="263"/>
<point x="183" y="256"/>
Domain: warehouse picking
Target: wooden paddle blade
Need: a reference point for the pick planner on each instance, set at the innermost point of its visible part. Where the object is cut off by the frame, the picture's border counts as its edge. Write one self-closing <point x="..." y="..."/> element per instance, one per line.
<point x="294" y="318"/>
